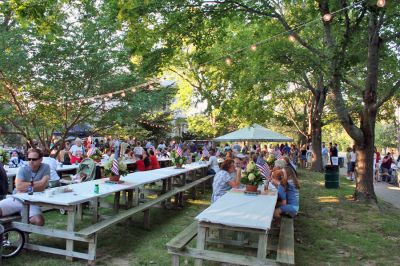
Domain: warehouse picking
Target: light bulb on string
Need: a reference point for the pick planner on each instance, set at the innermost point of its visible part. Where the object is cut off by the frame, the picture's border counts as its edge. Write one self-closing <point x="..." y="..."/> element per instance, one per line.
<point x="123" y="94"/>
<point x="253" y="47"/>
<point x="133" y="90"/>
<point x="228" y="61"/>
<point x="327" y="17"/>
<point x="381" y="3"/>
<point x="201" y="68"/>
<point x="292" y="38"/>
<point x="110" y="95"/>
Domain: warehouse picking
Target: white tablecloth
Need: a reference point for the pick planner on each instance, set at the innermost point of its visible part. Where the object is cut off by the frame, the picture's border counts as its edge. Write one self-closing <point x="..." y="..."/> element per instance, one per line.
<point x="83" y="192"/>
<point x="241" y="210"/>
<point x="11" y="172"/>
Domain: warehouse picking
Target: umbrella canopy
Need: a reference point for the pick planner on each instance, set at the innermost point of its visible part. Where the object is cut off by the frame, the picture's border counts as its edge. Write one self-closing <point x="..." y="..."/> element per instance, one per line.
<point x="254" y="133"/>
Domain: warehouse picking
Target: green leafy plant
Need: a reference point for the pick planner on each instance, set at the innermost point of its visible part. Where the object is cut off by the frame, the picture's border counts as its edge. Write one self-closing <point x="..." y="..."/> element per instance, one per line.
<point x="251" y="176"/>
<point x="121" y="167"/>
<point x="4" y="156"/>
<point x="177" y="159"/>
<point x="97" y="155"/>
<point x="271" y="160"/>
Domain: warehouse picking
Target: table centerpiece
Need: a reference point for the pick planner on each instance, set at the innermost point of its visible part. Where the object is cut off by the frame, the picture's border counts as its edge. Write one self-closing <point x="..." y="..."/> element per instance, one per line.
<point x="251" y="177"/>
<point x="4" y="156"/>
<point x="96" y="155"/>
<point x="177" y="158"/>
<point x="108" y="169"/>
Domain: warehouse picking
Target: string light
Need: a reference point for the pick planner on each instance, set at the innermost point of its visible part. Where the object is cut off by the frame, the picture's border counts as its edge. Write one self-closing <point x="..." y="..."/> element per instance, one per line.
<point x="133" y="90"/>
<point x="292" y="38"/>
<point x="110" y="95"/>
<point x="381" y="3"/>
<point x="327" y="17"/>
<point x="228" y="61"/>
<point x="123" y="94"/>
<point x="253" y="47"/>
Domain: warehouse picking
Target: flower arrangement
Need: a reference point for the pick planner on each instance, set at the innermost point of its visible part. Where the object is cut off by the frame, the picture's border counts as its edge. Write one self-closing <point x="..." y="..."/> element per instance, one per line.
<point x="4" y="156"/>
<point x="251" y="176"/>
<point x="122" y="169"/>
<point x="97" y="155"/>
<point x="271" y="160"/>
<point x="177" y="159"/>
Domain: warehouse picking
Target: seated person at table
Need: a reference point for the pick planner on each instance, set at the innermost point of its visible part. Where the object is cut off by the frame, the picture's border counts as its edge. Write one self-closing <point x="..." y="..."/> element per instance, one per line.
<point x="54" y="180"/>
<point x="214" y="166"/>
<point x="3" y="182"/>
<point x="107" y="154"/>
<point x="77" y="151"/>
<point x="153" y="160"/>
<point x="187" y="155"/>
<point x="143" y="164"/>
<point x="288" y="194"/>
<point x="15" y="160"/>
<point x="223" y="181"/>
<point x="35" y="174"/>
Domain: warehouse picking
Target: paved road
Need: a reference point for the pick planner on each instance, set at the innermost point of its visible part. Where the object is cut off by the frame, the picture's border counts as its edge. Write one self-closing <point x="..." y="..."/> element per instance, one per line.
<point x="388" y="193"/>
<point x="384" y="191"/>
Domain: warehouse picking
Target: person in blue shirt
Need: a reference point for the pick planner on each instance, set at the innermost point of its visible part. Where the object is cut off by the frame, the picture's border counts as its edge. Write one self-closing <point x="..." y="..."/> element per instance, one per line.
<point x="288" y="194"/>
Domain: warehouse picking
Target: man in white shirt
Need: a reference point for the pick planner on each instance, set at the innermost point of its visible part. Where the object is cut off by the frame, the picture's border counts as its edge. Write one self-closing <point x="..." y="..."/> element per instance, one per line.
<point x="54" y="180"/>
<point x="138" y="150"/>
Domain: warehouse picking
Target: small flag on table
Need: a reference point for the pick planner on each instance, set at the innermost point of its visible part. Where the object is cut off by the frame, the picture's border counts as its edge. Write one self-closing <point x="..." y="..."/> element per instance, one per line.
<point x="114" y="167"/>
<point x="262" y="167"/>
<point x="278" y="155"/>
<point x="179" y="151"/>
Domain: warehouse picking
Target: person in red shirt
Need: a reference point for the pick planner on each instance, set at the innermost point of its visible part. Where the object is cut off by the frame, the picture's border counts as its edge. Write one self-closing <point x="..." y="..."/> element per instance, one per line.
<point x="144" y="163"/>
<point x="153" y="160"/>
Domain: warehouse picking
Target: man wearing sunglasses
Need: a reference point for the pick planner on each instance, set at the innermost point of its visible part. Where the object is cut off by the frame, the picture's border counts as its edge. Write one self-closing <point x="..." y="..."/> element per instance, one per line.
<point x="35" y="175"/>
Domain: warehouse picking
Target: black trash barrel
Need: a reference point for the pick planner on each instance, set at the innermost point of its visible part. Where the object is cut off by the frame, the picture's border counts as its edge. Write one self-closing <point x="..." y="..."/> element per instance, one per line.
<point x="341" y="162"/>
<point x="332" y="176"/>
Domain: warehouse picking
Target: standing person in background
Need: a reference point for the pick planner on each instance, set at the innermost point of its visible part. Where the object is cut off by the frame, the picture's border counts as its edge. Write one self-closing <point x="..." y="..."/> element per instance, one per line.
<point x="138" y="150"/>
<point x="377" y="163"/>
<point x="64" y="156"/>
<point x="325" y="155"/>
<point x="294" y="154"/>
<point x="386" y="166"/>
<point x="303" y="156"/>
<point x="353" y="159"/>
<point x="348" y="159"/>
<point x="161" y="146"/>
<point x="3" y="182"/>
<point x="330" y="151"/>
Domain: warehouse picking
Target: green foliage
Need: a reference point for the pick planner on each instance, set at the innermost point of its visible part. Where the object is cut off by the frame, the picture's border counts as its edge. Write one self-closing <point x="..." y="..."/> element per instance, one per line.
<point x="251" y="176"/>
<point x="177" y="159"/>
<point x="385" y="135"/>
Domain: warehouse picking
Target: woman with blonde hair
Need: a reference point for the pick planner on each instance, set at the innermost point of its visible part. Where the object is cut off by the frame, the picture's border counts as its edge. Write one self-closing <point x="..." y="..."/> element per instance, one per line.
<point x="288" y="194"/>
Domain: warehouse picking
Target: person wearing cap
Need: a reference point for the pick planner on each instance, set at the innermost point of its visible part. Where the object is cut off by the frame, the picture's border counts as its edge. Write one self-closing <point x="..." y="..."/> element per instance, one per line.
<point x="77" y="151"/>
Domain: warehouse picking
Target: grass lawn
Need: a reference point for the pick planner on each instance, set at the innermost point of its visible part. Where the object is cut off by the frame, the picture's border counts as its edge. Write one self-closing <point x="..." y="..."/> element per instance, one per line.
<point x="331" y="230"/>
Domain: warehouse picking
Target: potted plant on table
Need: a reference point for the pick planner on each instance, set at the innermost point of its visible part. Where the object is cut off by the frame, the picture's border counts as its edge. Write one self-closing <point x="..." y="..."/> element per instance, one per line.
<point x="4" y="156"/>
<point x="251" y="177"/>
<point x="177" y="159"/>
<point x="108" y="169"/>
<point x="96" y="155"/>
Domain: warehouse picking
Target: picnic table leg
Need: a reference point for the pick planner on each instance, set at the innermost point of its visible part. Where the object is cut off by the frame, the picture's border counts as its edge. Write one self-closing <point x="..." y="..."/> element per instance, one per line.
<point x="79" y="212"/>
<point x="201" y="242"/>
<point x="163" y="190"/>
<point x="25" y="219"/>
<point x="129" y="202"/>
<point x="262" y="246"/>
<point x="92" y="250"/>
<point x="95" y="203"/>
<point x="117" y="196"/>
<point x="71" y="228"/>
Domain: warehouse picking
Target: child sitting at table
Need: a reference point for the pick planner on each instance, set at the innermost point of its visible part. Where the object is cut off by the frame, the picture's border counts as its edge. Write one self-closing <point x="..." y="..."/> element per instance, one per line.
<point x="288" y="194"/>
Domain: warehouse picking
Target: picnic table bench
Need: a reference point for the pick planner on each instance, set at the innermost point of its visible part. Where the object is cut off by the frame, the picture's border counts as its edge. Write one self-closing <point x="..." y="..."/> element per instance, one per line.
<point x="178" y="247"/>
<point x="240" y="215"/>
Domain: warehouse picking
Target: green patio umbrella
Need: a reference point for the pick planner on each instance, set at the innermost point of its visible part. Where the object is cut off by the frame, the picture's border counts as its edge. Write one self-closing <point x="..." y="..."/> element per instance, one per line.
<point x="254" y="133"/>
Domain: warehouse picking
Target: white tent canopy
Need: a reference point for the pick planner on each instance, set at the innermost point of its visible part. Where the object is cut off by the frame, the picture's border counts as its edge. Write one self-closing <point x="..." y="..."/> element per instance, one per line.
<point x="254" y="133"/>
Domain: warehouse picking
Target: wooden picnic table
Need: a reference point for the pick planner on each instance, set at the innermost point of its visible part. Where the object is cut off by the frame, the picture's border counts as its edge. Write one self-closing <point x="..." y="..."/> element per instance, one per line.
<point x="241" y="213"/>
<point x="84" y="192"/>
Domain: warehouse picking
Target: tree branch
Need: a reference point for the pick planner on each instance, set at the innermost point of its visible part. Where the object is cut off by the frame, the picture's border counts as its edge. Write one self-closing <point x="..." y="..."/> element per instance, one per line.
<point x="390" y="93"/>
